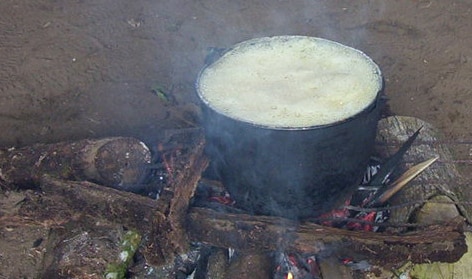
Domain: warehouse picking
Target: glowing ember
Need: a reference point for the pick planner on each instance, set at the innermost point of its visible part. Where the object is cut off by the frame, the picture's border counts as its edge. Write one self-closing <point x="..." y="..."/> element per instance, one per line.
<point x="295" y="266"/>
<point x="224" y="199"/>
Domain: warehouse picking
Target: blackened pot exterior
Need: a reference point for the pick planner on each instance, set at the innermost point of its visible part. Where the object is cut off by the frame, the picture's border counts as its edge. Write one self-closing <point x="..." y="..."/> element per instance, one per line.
<point x="290" y="173"/>
<point x="282" y="168"/>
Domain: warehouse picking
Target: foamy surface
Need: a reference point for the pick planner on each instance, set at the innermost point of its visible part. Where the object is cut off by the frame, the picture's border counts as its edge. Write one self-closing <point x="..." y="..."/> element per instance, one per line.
<point x="290" y="82"/>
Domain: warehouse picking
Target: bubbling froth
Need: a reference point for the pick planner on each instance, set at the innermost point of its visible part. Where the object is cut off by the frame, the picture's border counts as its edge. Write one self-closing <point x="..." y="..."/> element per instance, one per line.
<point x="290" y="82"/>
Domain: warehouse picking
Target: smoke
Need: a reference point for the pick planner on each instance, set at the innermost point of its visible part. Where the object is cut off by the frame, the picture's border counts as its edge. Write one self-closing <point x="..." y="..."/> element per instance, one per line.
<point x="253" y="159"/>
<point x="193" y="28"/>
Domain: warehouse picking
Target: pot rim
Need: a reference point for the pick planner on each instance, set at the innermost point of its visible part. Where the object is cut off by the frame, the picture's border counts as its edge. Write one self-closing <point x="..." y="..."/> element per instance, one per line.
<point x="367" y="109"/>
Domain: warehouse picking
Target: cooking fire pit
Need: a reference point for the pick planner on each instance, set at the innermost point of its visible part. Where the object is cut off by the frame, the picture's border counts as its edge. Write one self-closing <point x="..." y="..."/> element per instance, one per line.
<point x="169" y="224"/>
<point x="314" y="163"/>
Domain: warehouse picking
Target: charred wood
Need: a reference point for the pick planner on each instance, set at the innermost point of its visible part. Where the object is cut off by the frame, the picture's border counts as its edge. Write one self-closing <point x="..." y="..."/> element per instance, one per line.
<point x="250" y="265"/>
<point x="96" y="201"/>
<point x="444" y="242"/>
<point x="161" y="222"/>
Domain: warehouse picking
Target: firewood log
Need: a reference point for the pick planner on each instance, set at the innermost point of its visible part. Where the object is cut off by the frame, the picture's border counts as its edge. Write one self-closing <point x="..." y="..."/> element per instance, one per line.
<point x="444" y="242"/>
<point x="117" y="162"/>
<point x="440" y="179"/>
<point x="161" y="221"/>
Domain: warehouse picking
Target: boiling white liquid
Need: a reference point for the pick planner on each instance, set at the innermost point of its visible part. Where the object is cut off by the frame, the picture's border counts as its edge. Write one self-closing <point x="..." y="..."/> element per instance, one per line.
<point x="290" y="81"/>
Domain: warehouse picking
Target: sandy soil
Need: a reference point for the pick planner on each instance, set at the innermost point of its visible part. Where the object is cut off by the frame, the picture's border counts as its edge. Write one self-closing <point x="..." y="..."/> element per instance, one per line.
<point x="82" y="68"/>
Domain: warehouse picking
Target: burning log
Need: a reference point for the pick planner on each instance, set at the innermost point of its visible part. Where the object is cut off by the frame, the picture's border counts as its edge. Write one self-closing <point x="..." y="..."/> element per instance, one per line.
<point x="444" y="242"/>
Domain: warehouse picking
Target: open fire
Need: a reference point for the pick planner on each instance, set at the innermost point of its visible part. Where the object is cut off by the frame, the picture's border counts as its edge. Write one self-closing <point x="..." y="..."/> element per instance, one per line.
<point x="366" y="210"/>
<point x="293" y="266"/>
<point x="196" y="227"/>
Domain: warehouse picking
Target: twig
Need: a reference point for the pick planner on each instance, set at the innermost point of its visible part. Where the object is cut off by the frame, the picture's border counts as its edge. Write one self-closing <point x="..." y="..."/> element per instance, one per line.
<point x="396" y="186"/>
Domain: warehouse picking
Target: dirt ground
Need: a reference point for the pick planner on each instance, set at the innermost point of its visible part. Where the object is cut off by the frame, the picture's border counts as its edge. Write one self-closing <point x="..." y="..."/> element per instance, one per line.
<point x="86" y="69"/>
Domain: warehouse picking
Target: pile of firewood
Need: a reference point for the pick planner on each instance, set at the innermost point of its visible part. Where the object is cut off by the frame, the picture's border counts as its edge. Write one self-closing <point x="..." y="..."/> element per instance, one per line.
<point x="171" y="226"/>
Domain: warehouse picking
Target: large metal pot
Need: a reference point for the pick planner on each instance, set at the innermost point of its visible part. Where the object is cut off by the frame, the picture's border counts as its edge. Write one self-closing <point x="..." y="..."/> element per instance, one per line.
<point x="293" y="172"/>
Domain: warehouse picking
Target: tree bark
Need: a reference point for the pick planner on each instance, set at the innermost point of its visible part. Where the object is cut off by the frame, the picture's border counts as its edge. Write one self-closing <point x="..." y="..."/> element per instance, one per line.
<point x="161" y="221"/>
<point x="444" y="242"/>
<point x="117" y="162"/>
<point x="440" y="179"/>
